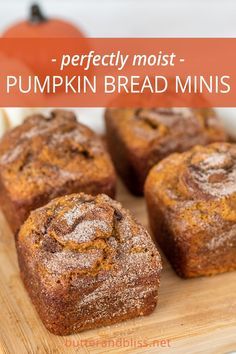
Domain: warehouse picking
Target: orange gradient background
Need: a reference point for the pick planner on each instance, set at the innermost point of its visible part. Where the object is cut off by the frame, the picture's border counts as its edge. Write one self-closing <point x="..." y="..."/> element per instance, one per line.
<point x="202" y="57"/>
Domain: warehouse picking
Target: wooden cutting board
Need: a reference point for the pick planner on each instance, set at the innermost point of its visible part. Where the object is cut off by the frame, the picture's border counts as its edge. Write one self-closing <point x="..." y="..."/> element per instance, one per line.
<point x="193" y="316"/>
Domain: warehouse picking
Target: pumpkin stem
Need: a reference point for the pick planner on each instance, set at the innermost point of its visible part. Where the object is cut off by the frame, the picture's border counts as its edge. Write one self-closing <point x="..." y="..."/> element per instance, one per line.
<point x="36" y="16"/>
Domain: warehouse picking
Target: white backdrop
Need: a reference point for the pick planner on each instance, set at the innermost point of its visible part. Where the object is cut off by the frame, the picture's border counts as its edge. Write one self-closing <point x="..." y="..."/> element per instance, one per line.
<point x="136" y="18"/>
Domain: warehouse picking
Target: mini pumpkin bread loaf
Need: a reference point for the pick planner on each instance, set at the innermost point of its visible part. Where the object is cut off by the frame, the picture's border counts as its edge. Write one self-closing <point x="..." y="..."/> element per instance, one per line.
<point x="47" y="157"/>
<point x="191" y="200"/>
<point x="86" y="263"/>
<point x="139" y="138"/>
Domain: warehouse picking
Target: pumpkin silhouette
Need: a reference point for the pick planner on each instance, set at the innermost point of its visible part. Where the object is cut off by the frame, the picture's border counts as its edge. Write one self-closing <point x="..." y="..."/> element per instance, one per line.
<point x="39" y="26"/>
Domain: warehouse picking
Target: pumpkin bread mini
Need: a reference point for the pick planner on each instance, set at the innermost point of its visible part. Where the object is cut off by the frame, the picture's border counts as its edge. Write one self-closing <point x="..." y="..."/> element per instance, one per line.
<point x="191" y="199"/>
<point x="49" y="156"/>
<point x="86" y="263"/>
<point x="139" y="138"/>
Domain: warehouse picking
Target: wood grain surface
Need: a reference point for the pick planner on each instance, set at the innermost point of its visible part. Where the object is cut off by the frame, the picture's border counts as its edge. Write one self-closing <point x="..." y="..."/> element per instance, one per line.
<point x="193" y="316"/>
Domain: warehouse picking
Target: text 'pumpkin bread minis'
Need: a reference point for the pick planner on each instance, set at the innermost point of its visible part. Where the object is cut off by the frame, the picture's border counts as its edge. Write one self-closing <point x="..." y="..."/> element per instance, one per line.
<point x="191" y="200"/>
<point x="140" y="138"/>
<point x="86" y="262"/>
<point x="47" y="157"/>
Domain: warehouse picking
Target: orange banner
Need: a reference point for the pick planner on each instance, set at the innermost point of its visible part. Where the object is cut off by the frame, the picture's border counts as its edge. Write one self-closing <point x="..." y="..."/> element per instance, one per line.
<point x="125" y="72"/>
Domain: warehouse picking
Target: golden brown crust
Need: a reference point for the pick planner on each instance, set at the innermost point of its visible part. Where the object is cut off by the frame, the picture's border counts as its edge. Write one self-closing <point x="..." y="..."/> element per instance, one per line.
<point x="140" y="138"/>
<point x="86" y="262"/>
<point x="47" y="157"/>
<point x="191" y="200"/>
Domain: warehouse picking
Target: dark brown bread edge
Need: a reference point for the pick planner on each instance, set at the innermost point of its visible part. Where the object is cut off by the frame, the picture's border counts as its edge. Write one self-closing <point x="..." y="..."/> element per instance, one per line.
<point x="123" y="159"/>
